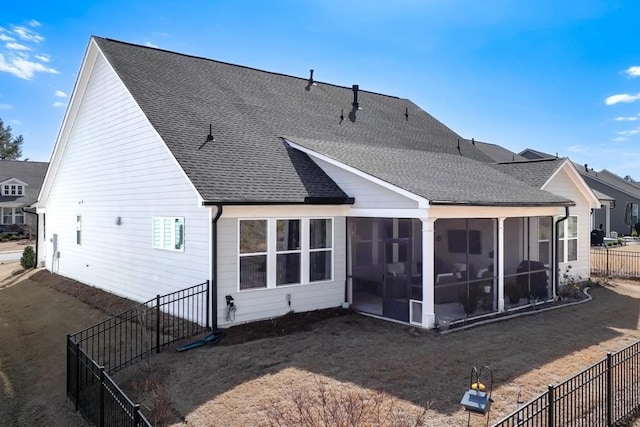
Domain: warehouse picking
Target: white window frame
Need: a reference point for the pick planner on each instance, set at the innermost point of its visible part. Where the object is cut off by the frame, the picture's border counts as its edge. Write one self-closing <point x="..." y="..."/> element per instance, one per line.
<point x="272" y="252"/>
<point x="174" y="237"/>
<point x="327" y="249"/>
<point x="286" y="252"/>
<point x="13" y="214"/>
<point x="12" y="188"/>
<point x="248" y="254"/>
<point x="564" y="239"/>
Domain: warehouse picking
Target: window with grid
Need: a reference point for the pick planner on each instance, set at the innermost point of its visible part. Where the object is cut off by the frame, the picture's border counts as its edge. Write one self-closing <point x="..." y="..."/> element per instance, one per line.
<point x="320" y="249"/>
<point x="568" y="240"/>
<point x="253" y="254"/>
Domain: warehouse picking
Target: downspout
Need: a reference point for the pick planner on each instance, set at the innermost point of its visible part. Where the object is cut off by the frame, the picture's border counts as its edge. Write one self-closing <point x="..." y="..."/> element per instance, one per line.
<point x="556" y="263"/>
<point x="214" y="275"/>
<point x="37" y="231"/>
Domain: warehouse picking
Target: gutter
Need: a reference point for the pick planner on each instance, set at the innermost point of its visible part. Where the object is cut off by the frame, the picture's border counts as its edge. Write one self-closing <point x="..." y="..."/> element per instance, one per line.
<point x="214" y="275"/>
<point x="307" y="201"/>
<point x="556" y="262"/>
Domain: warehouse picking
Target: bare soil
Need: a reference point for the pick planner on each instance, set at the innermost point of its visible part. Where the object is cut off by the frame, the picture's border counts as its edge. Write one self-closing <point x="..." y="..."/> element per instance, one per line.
<point x="265" y="365"/>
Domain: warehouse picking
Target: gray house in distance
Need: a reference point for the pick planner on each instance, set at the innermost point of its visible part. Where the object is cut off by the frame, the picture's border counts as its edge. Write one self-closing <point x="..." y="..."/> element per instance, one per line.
<point x="20" y="183"/>
<point x="613" y="191"/>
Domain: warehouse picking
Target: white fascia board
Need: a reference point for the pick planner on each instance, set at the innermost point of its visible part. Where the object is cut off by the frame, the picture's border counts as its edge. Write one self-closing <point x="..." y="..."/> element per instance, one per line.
<point x="576" y="178"/>
<point x="422" y="202"/>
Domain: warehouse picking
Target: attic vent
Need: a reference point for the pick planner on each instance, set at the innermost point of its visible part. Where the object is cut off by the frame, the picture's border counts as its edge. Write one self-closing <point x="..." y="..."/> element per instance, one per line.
<point x="473" y="141"/>
<point x="355" y="104"/>
<point x="210" y="138"/>
<point x="406" y="113"/>
<point x="311" y="82"/>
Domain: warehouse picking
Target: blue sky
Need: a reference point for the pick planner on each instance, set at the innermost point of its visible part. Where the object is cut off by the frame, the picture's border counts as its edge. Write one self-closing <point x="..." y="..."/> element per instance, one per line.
<point x="557" y="76"/>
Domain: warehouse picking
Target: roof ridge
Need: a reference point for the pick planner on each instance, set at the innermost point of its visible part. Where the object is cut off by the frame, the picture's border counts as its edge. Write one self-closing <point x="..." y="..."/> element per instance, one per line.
<point x="550" y="159"/>
<point x="246" y="67"/>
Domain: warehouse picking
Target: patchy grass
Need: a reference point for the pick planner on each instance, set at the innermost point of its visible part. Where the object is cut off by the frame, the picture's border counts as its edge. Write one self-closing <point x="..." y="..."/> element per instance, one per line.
<point x="237" y="383"/>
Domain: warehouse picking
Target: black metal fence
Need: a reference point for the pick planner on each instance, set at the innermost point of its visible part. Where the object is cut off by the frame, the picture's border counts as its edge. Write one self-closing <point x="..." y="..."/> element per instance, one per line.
<point x="95" y="352"/>
<point x="615" y="262"/>
<point x="605" y="394"/>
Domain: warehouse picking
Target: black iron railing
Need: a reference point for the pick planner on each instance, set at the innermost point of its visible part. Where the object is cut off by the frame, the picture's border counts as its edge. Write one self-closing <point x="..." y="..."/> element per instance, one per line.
<point x="605" y="394"/>
<point x="615" y="262"/>
<point x="95" y="352"/>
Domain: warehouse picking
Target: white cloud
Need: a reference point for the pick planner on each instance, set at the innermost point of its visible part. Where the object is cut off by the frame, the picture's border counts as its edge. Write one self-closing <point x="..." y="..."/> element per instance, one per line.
<point x="16" y="122"/>
<point x="633" y="71"/>
<point x="17" y="46"/>
<point x="23" y="67"/>
<point x="626" y="119"/>
<point x="61" y="94"/>
<point x="623" y="97"/>
<point x="58" y="104"/>
<point x="161" y="34"/>
<point x="149" y="44"/>
<point x="18" y="55"/>
<point x="5" y="107"/>
<point x="620" y="139"/>
<point x="629" y="132"/>
<point x="27" y="34"/>
<point x="577" y="148"/>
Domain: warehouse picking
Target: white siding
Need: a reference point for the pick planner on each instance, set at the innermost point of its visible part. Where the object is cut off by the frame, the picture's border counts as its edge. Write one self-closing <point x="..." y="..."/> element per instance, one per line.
<point x="562" y="185"/>
<point x="115" y="165"/>
<point x="367" y="194"/>
<point x="267" y="303"/>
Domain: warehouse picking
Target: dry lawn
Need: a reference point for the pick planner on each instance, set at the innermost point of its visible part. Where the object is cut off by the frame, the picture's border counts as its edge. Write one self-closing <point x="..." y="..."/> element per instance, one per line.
<point x="241" y="384"/>
<point x="238" y="384"/>
<point x="15" y="245"/>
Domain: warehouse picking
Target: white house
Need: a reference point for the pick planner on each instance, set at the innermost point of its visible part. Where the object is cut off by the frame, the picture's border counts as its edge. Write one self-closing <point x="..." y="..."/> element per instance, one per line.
<point x="20" y="183"/>
<point x="292" y="194"/>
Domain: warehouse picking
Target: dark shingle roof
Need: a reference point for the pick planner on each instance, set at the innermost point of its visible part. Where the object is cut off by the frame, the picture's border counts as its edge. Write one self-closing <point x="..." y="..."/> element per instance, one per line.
<point x="531" y="154"/>
<point x="250" y="110"/>
<point x="498" y="153"/>
<point x="534" y="172"/>
<point x="31" y="173"/>
<point x="439" y="177"/>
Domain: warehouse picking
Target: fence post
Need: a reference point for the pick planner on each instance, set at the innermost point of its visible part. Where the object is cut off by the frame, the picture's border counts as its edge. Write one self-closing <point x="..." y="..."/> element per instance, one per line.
<point x="609" y="391"/>
<point x="101" y="396"/>
<point x="77" y="393"/>
<point x="207" y="304"/>
<point x="607" y="249"/>
<point x="136" y="415"/>
<point x="157" y="323"/>
<point x="550" y="414"/>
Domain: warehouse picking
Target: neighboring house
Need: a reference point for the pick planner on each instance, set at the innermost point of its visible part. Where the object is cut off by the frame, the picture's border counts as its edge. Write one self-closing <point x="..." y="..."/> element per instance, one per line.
<point x="20" y="183"/>
<point x="614" y="193"/>
<point x="291" y="194"/>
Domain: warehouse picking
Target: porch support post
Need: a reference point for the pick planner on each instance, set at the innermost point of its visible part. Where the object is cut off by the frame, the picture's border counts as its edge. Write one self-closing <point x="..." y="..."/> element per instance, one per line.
<point x="428" y="273"/>
<point x="500" y="261"/>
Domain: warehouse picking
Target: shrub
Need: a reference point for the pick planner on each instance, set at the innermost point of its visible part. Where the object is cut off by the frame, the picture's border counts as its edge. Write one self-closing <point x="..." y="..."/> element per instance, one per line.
<point x="28" y="259"/>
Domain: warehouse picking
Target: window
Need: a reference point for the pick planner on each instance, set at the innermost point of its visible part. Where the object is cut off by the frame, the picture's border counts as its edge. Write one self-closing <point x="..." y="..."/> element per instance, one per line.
<point x="168" y="233"/>
<point x="11" y="216"/>
<point x="320" y="249"/>
<point x="78" y="229"/>
<point x="544" y="239"/>
<point x="7" y="216"/>
<point x="12" y="190"/>
<point x="280" y="252"/>
<point x="253" y="254"/>
<point x="288" y="251"/>
<point x="568" y="240"/>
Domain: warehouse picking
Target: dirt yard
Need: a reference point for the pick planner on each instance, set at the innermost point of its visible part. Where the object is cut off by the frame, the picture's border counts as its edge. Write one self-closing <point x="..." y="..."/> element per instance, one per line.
<point x="15" y="245"/>
<point x="240" y="384"/>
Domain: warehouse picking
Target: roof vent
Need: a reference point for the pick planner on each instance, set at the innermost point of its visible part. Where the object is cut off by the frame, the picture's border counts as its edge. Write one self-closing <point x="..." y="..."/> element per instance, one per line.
<point x="311" y="82"/>
<point x="406" y="113"/>
<point x="341" y="115"/>
<point x="355" y="104"/>
<point x="473" y="141"/>
<point x="586" y="167"/>
<point x="210" y="138"/>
